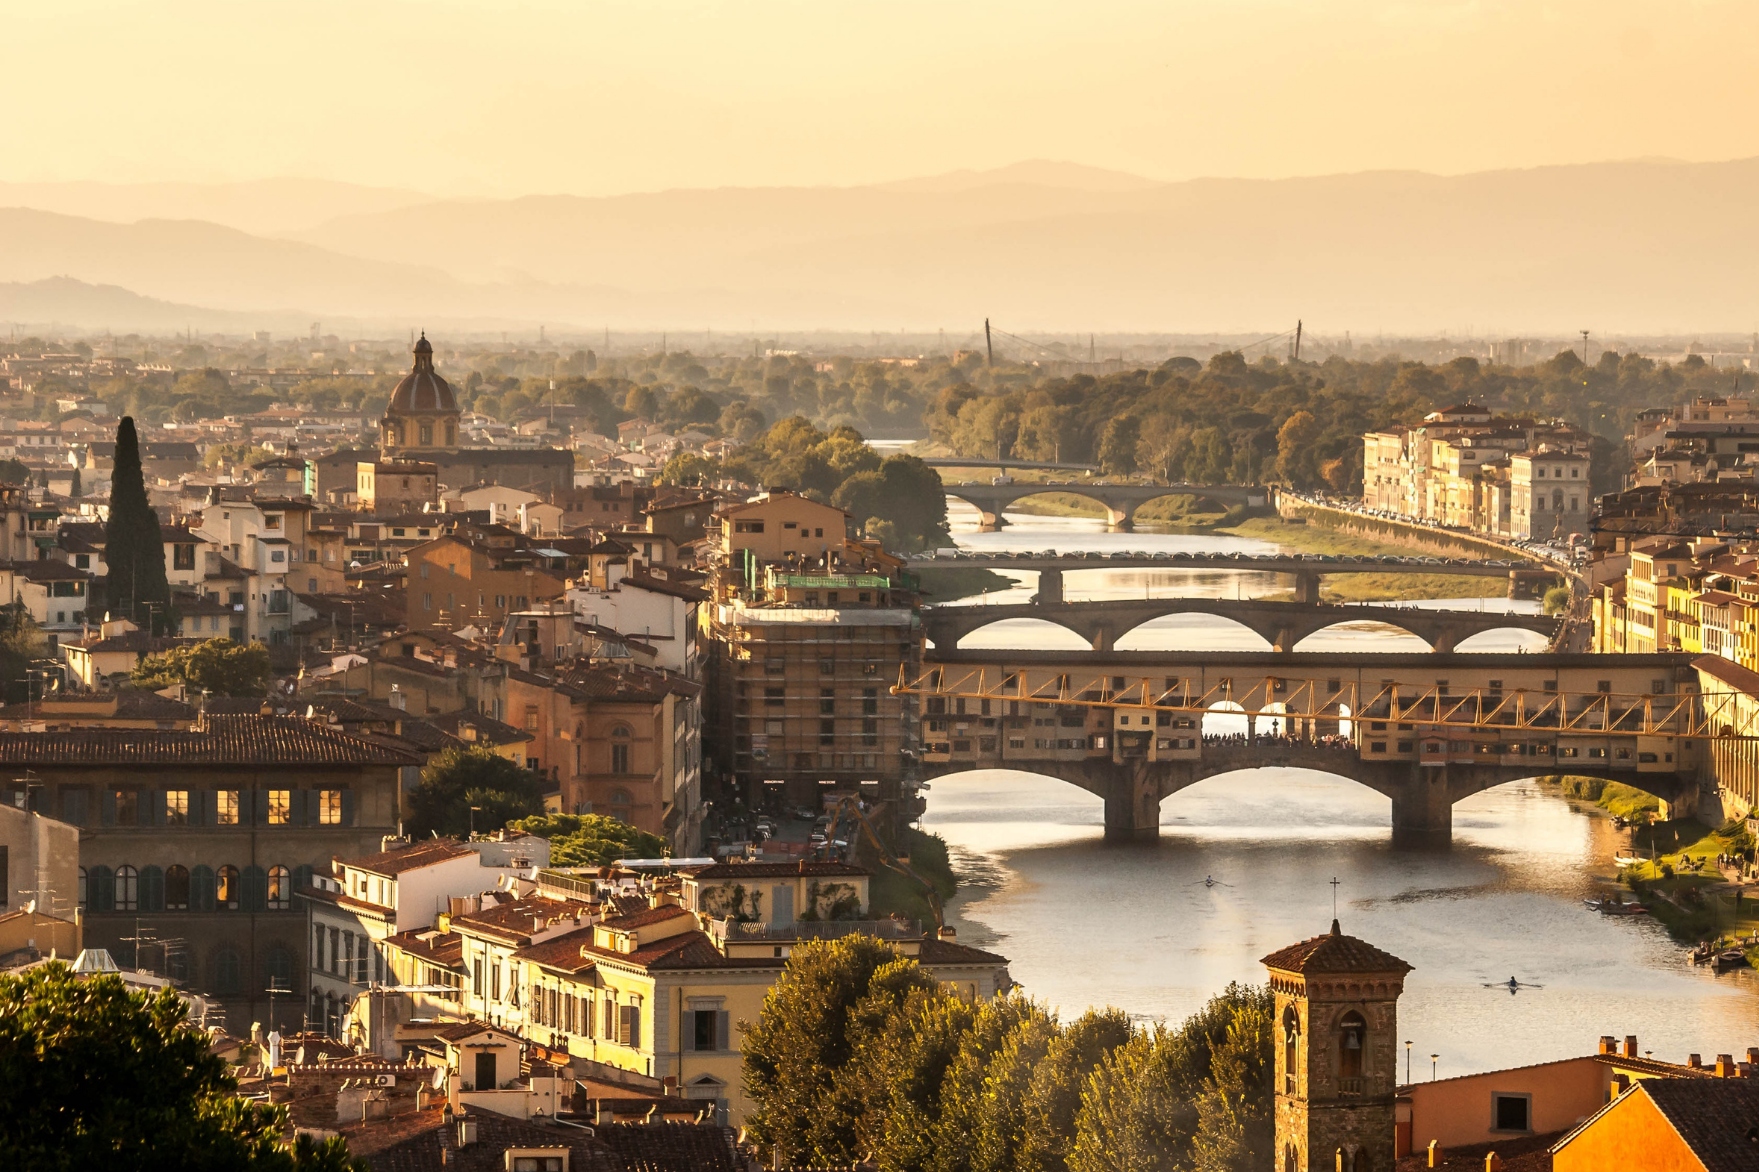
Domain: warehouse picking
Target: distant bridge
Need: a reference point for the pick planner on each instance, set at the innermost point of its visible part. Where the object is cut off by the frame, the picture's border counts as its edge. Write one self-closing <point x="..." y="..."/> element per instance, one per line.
<point x="1306" y="569"/>
<point x="1033" y="465"/>
<point x="1281" y="624"/>
<point x="1427" y="730"/>
<point x="1121" y="501"/>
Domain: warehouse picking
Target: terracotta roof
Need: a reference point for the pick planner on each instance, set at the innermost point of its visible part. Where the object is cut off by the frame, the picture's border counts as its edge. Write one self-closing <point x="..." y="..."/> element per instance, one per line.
<point x="423" y="853"/>
<point x="1715" y="1117"/>
<point x="951" y="952"/>
<point x="561" y="953"/>
<point x="774" y="870"/>
<point x="1334" y="953"/>
<point x="436" y="1148"/>
<point x="673" y="1147"/>
<point x="641" y="919"/>
<point x="276" y="742"/>
<point x="131" y="704"/>
<point x="1729" y="672"/>
<point x="441" y="948"/>
<point x="489" y="731"/>
<point x="513" y="920"/>
<point x="662" y="586"/>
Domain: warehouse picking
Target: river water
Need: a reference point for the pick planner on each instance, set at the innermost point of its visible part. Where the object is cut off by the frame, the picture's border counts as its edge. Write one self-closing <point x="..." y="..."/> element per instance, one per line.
<point x="1085" y="924"/>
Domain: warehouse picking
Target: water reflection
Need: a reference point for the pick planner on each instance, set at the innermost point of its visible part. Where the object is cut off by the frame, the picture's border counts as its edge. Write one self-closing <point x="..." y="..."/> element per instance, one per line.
<point x="1150" y="937"/>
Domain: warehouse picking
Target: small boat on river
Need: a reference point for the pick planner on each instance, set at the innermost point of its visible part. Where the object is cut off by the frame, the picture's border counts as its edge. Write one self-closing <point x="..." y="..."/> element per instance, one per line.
<point x="1628" y="860"/>
<point x="1730" y="958"/>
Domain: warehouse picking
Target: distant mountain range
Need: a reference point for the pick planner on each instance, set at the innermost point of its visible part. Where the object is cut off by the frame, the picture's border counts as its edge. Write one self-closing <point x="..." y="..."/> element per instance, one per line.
<point x="1644" y="246"/>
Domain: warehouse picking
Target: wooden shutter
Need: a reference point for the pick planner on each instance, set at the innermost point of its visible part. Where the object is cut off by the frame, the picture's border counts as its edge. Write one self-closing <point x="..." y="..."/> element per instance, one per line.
<point x="348" y="807"/>
<point x="261" y="804"/>
<point x="152" y="889"/>
<point x="722" y="1027"/>
<point x="154" y="801"/>
<point x="107" y="811"/>
<point x="296" y="815"/>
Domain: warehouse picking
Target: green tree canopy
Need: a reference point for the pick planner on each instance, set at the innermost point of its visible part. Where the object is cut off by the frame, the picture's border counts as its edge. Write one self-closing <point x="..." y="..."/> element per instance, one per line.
<point x="217" y="666"/>
<point x="134" y="550"/>
<point x="458" y="779"/>
<point x="95" y="1076"/>
<point x="590" y="840"/>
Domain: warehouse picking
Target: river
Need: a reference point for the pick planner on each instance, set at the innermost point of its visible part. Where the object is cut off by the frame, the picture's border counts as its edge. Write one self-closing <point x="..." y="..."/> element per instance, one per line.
<point x="1086" y="924"/>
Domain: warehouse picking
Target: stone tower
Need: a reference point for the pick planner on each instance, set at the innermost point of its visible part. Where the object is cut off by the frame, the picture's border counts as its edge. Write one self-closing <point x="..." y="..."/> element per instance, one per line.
<point x="423" y="413"/>
<point x="1337" y="1053"/>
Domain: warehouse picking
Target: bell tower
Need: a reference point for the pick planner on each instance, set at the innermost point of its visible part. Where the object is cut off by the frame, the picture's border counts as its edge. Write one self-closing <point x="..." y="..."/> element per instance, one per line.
<point x="1336" y="1053"/>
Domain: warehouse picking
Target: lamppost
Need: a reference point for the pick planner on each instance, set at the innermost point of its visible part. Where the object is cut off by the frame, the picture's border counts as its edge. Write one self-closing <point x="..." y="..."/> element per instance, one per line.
<point x="473" y="811"/>
<point x="1433" y="1059"/>
<point x="1407" y="1063"/>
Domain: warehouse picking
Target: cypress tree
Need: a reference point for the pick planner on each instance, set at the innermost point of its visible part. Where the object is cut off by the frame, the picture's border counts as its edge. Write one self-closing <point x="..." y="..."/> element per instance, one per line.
<point x="133" y="546"/>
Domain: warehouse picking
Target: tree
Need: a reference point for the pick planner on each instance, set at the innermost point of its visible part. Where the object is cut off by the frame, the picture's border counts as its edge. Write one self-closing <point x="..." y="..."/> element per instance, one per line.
<point x="903" y="492"/>
<point x="1236" y="1120"/>
<point x="458" y="779"/>
<point x="217" y="666"/>
<point x="21" y="641"/>
<point x="1117" y="445"/>
<point x="1054" y="1099"/>
<point x="802" y="1042"/>
<point x="95" y="1076"/>
<point x="912" y="1061"/>
<point x="959" y="1133"/>
<point x="133" y="547"/>
<point x="590" y="840"/>
<point x="1296" y="456"/>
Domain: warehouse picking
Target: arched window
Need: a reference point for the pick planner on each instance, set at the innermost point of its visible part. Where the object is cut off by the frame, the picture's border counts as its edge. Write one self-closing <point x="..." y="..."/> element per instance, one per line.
<point x="201" y="888"/>
<point x="1291" y="1050"/>
<point x="228" y="973"/>
<point x="152" y="889"/>
<point x="620" y="749"/>
<point x="280" y="889"/>
<point x="1352" y="1040"/>
<point x="621" y="801"/>
<point x="1291" y="1159"/>
<point x="226" y="887"/>
<point x="100" y="889"/>
<point x="176" y="888"/>
<point x="127" y="888"/>
<point x="278" y="970"/>
<point x="1360" y="1162"/>
<point x="451" y="433"/>
<point x="82" y="889"/>
<point x="427" y="435"/>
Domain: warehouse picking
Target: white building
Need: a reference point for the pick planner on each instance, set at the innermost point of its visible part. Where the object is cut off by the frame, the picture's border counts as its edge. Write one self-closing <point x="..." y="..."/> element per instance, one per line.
<point x="660" y="613"/>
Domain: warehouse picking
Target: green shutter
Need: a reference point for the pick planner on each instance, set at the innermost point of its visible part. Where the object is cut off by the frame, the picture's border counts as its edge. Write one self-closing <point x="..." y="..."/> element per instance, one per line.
<point x="152" y="889"/>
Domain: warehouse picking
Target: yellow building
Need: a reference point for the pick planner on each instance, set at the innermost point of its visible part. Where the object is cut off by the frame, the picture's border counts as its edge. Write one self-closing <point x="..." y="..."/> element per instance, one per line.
<point x="781" y="526"/>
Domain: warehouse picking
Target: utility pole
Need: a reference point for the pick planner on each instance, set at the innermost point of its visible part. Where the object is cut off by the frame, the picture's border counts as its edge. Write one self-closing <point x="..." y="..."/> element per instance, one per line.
<point x="1297" y="339"/>
<point x="1584" y="347"/>
<point x="989" y="347"/>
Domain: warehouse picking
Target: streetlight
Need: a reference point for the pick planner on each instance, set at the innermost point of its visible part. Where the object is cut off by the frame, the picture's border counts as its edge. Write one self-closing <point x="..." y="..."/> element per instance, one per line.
<point x="1407" y="1063"/>
<point x="1433" y="1059"/>
<point x="473" y="811"/>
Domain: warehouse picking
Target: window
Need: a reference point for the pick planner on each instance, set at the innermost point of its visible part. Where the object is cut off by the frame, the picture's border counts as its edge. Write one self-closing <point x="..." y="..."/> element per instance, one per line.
<point x="228" y="975"/>
<point x="278" y="970"/>
<point x="1291" y="1050"/>
<point x="827" y="701"/>
<point x="74" y="802"/>
<point x="621" y="801"/>
<point x="127" y="897"/>
<point x="177" y="807"/>
<point x="620" y="749"/>
<point x="280" y="896"/>
<point x="329" y="807"/>
<point x="226" y="807"/>
<point x="226" y="888"/>
<point x="127" y="807"/>
<point x="1352" y="1040"/>
<point x="280" y="807"/>
<point x="705" y="1030"/>
<point x="1511" y="1112"/>
<point x="176" y="888"/>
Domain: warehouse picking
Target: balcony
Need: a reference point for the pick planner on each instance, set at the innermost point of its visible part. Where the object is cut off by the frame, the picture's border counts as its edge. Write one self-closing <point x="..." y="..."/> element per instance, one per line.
<point x="1350" y="1086"/>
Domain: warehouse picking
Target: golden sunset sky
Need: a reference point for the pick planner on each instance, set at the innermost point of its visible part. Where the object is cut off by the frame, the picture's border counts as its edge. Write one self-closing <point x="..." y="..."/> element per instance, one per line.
<point x="504" y="97"/>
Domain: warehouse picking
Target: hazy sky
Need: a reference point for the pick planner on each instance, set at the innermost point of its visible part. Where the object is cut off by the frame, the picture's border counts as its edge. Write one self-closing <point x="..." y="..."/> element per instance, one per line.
<point x="593" y="97"/>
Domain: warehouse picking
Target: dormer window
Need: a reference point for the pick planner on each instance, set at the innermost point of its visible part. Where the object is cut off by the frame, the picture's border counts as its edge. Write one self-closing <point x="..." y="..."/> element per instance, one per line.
<point x="271" y="520"/>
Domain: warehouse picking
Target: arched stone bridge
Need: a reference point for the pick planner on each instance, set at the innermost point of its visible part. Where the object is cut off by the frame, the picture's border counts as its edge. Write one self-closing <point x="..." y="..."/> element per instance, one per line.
<point x="1423" y="797"/>
<point x="1427" y="730"/>
<point x="1120" y="500"/>
<point x="1281" y="624"/>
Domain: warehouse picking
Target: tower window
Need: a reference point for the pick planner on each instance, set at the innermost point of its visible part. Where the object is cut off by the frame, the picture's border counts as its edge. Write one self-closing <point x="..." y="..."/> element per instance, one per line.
<point x="1291" y="1050"/>
<point x="1352" y="1038"/>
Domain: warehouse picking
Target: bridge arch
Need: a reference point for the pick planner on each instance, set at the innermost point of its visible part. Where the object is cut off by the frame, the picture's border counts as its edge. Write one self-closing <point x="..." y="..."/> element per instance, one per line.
<point x="1496" y="638"/>
<point x="1317" y="638"/>
<point x="1010" y="632"/>
<point x="1193" y="630"/>
<point x="1197" y="497"/>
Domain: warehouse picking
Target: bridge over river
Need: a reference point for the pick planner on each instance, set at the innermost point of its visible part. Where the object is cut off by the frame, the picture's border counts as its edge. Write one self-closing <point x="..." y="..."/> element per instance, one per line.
<point x="1307" y="570"/>
<point x="1425" y="729"/>
<point x="1281" y="624"/>
<point x="1119" y="500"/>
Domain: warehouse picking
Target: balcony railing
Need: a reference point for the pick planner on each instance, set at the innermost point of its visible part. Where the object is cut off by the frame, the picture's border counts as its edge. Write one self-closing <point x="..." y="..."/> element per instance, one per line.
<point x="1350" y="1086"/>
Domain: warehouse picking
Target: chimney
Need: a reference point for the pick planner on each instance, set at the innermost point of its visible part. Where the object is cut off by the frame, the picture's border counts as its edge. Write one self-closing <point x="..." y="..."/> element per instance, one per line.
<point x="1695" y="1061"/>
<point x="398" y="700"/>
<point x="1607" y="1045"/>
<point x="947" y="933"/>
<point x="1630" y="1045"/>
<point x="466" y="1132"/>
<point x="1725" y="1066"/>
<point x="1753" y="1055"/>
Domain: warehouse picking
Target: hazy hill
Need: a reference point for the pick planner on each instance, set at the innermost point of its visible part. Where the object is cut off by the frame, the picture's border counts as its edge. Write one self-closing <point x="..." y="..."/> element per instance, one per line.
<point x="62" y="303"/>
<point x="1642" y="246"/>
<point x="265" y="206"/>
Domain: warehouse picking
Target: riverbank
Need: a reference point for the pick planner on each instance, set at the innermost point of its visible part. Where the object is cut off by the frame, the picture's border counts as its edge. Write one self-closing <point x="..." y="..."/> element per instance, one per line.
<point x="1361" y="587"/>
<point x="955" y="582"/>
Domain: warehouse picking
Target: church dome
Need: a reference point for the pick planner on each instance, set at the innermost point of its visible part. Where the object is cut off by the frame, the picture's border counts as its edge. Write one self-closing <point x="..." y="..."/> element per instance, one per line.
<point x="422" y="389"/>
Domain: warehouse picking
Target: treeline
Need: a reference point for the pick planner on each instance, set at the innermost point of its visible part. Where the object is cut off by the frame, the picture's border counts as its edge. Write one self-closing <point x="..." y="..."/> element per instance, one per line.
<point x="861" y="1055"/>
<point x="897" y="499"/>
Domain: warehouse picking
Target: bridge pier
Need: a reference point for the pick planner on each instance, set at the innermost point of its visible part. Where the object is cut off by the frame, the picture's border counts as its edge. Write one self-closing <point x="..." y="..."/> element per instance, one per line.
<point x="1307" y="587"/>
<point x="990" y="522"/>
<point x="1050" y="588"/>
<point x="1120" y="520"/>
<point x="1132" y="804"/>
<point x="1423" y="809"/>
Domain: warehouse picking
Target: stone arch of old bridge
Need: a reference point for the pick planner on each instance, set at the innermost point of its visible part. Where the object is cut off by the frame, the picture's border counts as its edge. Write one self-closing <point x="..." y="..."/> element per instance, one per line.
<point x="1281" y="624"/>
<point x="1422" y="797"/>
<point x="1121" y="501"/>
<point x="1425" y="729"/>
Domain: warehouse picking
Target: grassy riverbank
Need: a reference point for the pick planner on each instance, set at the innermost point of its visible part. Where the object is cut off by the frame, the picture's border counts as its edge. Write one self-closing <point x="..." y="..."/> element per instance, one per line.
<point x="892" y="893"/>
<point x="1387" y="587"/>
<point x="955" y="582"/>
